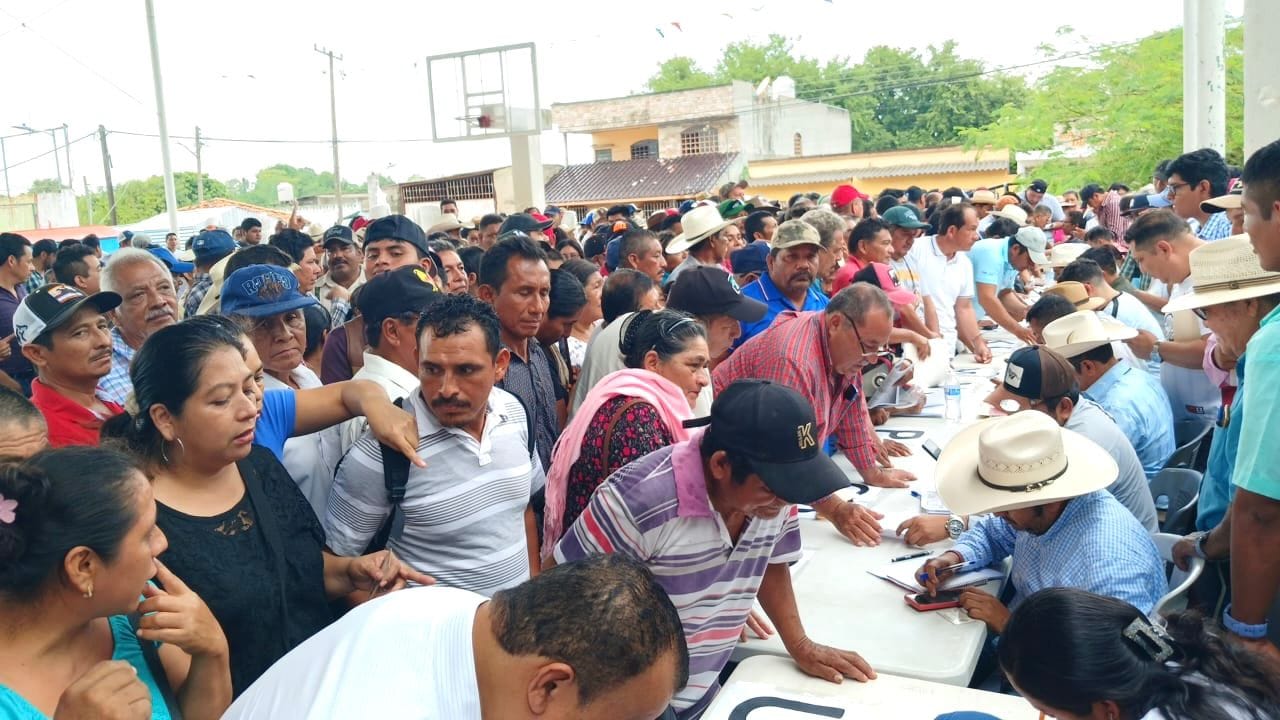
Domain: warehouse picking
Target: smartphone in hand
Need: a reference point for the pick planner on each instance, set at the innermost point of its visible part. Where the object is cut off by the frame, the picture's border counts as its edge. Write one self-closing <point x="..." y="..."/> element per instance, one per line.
<point x="924" y="602"/>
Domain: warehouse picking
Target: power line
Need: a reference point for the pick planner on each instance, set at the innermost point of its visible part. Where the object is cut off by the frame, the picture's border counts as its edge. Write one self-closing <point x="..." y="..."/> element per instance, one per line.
<point x="47" y="153"/>
<point x="23" y="25"/>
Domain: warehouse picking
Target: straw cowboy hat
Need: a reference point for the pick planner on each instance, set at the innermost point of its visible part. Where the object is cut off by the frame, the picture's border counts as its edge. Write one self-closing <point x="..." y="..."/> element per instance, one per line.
<point x="1012" y="212"/>
<point x="1075" y="292"/>
<point x="1019" y="461"/>
<point x="699" y="223"/>
<point x="448" y="222"/>
<point x="1081" y="332"/>
<point x="1225" y="271"/>
<point x="983" y="197"/>
<point x="1064" y="254"/>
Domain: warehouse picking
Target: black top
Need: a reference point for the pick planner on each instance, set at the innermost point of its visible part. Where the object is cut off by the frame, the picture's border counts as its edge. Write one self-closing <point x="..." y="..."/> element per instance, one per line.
<point x="230" y="562"/>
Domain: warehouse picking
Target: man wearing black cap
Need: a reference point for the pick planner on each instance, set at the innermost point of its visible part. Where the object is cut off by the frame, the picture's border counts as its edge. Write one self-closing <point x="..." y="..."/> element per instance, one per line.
<point x="346" y="270"/>
<point x="726" y="494"/>
<point x="66" y="336"/>
<point x="210" y="246"/>
<point x="1037" y="193"/>
<point x="527" y="224"/>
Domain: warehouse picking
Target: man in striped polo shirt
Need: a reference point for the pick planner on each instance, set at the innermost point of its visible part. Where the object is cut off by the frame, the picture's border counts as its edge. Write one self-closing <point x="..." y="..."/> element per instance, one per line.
<point x="713" y="519"/>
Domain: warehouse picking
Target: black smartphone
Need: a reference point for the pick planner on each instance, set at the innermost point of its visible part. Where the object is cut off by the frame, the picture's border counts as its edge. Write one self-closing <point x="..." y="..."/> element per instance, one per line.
<point x="943" y="600"/>
<point x="932" y="448"/>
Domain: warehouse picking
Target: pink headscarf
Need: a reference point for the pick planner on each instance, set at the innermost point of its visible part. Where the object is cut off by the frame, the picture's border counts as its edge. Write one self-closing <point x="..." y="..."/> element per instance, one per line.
<point x="650" y="387"/>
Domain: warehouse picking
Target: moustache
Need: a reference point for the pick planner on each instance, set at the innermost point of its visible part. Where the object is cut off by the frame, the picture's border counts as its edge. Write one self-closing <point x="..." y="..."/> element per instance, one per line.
<point x="158" y="314"/>
<point x="803" y="275"/>
<point x="447" y="403"/>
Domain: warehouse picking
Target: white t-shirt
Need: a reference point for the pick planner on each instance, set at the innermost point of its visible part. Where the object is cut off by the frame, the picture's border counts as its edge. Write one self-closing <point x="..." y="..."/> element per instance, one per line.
<point x="404" y="655"/>
<point x="945" y="281"/>
<point x="303" y="456"/>
<point x="1191" y="394"/>
<point x="1130" y="311"/>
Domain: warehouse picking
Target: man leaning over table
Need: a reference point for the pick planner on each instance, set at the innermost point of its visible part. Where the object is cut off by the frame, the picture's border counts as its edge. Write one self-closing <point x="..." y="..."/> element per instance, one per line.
<point x="714" y="519"/>
<point x="821" y="355"/>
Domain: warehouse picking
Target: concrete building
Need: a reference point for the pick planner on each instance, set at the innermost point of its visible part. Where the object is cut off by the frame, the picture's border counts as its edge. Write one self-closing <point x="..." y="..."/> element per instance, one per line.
<point x="476" y="193"/>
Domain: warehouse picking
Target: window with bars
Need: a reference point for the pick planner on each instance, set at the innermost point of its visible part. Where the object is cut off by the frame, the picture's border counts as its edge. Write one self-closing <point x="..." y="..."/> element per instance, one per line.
<point x="604" y="155"/>
<point x="697" y="141"/>
<point x="474" y="187"/>
<point x="797" y="145"/>
<point x="644" y="150"/>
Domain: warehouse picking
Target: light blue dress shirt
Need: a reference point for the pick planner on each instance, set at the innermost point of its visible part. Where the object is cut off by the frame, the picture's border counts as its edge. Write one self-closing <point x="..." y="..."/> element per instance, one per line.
<point x="1216" y="490"/>
<point x="1139" y="405"/>
<point x="1258" y="461"/>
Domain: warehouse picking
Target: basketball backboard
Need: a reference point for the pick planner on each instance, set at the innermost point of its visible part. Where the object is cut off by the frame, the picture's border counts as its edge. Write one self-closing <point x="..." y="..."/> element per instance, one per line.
<point x="487" y="93"/>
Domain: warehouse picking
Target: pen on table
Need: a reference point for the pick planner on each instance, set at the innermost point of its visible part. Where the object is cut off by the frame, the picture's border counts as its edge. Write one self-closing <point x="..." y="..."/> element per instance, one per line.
<point x="912" y="556"/>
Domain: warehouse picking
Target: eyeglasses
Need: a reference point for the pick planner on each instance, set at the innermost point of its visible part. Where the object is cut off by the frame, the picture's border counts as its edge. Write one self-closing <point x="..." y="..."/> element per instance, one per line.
<point x="1200" y="313"/>
<point x="1175" y="187"/>
<point x="862" y="346"/>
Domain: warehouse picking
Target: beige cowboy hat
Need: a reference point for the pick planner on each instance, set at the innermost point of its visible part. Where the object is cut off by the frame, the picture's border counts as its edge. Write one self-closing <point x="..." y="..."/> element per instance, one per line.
<point x="1012" y="212"/>
<point x="1233" y="200"/>
<point x="1077" y="294"/>
<point x="1225" y="271"/>
<point x="448" y="222"/>
<point x="1081" y="332"/>
<point x="983" y="197"/>
<point x="699" y="223"/>
<point x="1064" y="254"/>
<point x="1019" y="461"/>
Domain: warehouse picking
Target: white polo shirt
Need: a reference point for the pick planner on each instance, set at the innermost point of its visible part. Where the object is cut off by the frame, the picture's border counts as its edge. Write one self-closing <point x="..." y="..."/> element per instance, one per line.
<point x="946" y="280"/>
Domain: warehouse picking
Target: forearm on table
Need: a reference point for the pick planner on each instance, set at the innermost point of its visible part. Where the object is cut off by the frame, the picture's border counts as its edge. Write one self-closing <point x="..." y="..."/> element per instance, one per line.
<point x="967" y="326"/>
<point x="1255" y="570"/>
<point x="778" y="599"/>
<point x="206" y="693"/>
<point x="1184" y="353"/>
<point x="995" y="309"/>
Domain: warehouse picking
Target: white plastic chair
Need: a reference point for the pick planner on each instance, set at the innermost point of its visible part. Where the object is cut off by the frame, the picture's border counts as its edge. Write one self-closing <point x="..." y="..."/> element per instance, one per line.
<point x="1179" y="581"/>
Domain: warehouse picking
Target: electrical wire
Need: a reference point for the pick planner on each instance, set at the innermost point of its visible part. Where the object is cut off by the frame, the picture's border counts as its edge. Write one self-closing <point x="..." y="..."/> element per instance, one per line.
<point x="47" y="153"/>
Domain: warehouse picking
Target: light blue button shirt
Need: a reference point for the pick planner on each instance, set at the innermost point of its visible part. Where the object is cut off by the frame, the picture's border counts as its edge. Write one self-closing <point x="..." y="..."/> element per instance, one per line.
<point x="1139" y="405"/>
<point x="1216" y="490"/>
<point x="1258" y="462"/>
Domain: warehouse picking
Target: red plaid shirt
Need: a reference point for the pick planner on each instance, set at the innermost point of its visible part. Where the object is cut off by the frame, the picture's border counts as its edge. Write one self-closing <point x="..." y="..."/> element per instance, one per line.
<point x="793" y="352"/>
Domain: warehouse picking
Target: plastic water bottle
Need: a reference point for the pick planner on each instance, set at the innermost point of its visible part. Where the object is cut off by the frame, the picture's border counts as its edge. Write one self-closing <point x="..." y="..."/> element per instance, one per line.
<point x="951" y="392"/>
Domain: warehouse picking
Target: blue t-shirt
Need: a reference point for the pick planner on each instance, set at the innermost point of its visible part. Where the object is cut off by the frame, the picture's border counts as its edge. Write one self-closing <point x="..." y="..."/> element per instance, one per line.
<point x="766" y="292"/>
<point x="276" y="421"/>
<point x="14" y="707"/>
<point x="1216" y="490"/>
<point x="991" y="266"/>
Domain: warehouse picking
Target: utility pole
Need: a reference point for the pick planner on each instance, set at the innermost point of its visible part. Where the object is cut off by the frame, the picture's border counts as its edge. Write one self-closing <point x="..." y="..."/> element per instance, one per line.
<point x="66" y="144"/>
<point x="170" y="193"/>
<point x="4" y="160"/>
<point x="333" y="117"/>
<point x="199" y="169"/>
<point x="53" y="133"/>
<point x="88" y="199"/>
<point x="106" y="170"/>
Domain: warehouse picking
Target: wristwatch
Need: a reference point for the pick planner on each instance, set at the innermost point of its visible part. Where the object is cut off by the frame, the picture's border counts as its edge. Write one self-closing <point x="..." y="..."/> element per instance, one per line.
<point x="955" y="526"/>
<point x="1197" y="539"/>
<point x="1155" y="352"/>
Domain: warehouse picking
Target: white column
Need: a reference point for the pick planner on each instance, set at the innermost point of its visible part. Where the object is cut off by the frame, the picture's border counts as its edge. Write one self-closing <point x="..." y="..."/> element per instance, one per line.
<point x="1261" y="80"/>
<point x="526" y="171"/>
<point x="170" y="194"/>
<point x="1212" y="74"/>
<point x="1190" y="76"/>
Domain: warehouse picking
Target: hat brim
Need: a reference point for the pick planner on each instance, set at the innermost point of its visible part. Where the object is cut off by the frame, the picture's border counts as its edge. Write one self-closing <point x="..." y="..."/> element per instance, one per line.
<point x="1230" y="201"/>
<point x="1006" y="216"/>
<point x="275" y="308"/>
<point x="1038" y="257"/>
<point x="804" y="482"/>
<point x="103" y="302"/>
<point x="1089" y="469"/>
<point x="1193" y="299"/>
<point x="901" y="296"/>
<point x="182" y="268"/>
<point x="1071" y="350"/>
<point x="684" y="241"/>
<point x="449" y="227"/>
<point x="746" y="309"/>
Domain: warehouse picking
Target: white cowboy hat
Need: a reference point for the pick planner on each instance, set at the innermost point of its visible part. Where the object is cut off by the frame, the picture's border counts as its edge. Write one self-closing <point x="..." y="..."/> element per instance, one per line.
<point x="1022" y="460"/>
<point x="1064" y="254"/>
<point x="983" y="197"/>
<point x="1224" y="271"/>
<point x="1077" y="294"/>
<point x="698" y="223"/>
<point x="1081" y="332"/>
<point x="448" y="222"/>
<point x="1012" y="212"/>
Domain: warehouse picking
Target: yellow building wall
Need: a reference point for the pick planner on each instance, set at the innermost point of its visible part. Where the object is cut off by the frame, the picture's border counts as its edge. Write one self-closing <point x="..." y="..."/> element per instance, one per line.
<point x="620" y="141"/>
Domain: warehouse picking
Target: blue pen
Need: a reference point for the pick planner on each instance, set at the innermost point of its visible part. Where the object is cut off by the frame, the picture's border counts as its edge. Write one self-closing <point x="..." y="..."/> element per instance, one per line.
<point x="957" y="567"/>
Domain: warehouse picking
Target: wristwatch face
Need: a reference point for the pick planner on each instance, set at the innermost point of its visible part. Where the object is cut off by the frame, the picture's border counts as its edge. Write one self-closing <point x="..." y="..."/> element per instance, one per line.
<point x="955" y="527"/>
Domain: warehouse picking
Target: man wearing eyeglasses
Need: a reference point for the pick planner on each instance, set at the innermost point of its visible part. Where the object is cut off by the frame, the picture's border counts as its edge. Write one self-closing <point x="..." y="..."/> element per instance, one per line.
<point x="1195" y="177"/>
<point x="821" y="355"/>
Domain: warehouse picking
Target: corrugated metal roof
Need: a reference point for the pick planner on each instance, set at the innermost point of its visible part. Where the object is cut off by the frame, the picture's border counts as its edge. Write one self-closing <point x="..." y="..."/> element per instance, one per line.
<point x="638" y="179"/>
<point x="835" y="176"/>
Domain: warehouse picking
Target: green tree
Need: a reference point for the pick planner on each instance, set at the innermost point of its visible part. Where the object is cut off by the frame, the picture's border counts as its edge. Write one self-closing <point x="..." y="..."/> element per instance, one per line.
<point x="305" y="182"/>
<point x="1126" y="105"/>
<point x="45" y="185"/>
<point x="140" y="199"/>
<point x="679" y="73"/>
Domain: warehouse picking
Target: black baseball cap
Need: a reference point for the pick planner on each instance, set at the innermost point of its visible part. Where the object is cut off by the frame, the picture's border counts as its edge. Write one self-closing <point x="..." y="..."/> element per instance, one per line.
<point x="338" y="233"/>
<point x="705" y="290"/>
<point x="48" y="308"/>
<point x="1035" y="373"/>
<point x="773" y="427"/>
<point x="525" y="223"/>
<point x="396" y="227"/>
<point x="403" y="290"/>
<point x="595" y="245"/>
<point x="1039" y="186"/>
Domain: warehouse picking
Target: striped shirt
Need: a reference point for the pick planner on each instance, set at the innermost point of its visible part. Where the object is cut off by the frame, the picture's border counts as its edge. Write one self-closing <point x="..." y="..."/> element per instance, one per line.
<point x="462" y="517"/>
<point x="656" y="509"/>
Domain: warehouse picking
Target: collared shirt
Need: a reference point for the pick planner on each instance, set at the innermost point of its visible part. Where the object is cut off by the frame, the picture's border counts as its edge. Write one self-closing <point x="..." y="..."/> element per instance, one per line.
<point x="991" y="266"/>
<point x="1109" y="215"/>
<point x="70" y="423"/>
<point x="1130" y="486"/>
<point x="16" y="365"/>
<point x="688" y="262"/>
<point x="1130" y="311"/>
<point x="531" y="382"/>
<point x="463" y="514"/>
<point x="1258" y="462"/>
<point x="338" y="309"/>
<point x="35" y="282"/>
<point x="656" y="510"/>
<point x="945" y="280"/>
<point x="794" y="353"/>
<point x="304" y="458"/>
<point x="1216" y="489"/>
<point x="1051" y="201"/>
<point x="1095" y="545"/>
<point x="1140" y="407"/>
<point x="766" y="292"/>
<point x="1215" y="228"/>
<point x="199" y="289"/>
<point x="844" y="276"/>
<point x="117" y="384"/>
<point x="395" y="380"/>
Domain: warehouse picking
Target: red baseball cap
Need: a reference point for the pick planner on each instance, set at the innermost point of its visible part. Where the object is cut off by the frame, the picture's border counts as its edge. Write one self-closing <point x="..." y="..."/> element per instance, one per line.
<point x="845" y="194"/>
<point x="885" y="278"/>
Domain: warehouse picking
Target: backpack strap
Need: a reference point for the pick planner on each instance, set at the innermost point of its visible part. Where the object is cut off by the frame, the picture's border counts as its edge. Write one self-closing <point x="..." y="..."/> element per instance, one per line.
<point x="395" y="478"/>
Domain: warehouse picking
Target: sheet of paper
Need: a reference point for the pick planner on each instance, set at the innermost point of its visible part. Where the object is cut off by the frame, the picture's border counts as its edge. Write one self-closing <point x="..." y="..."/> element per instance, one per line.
<point x="903" y="574"/>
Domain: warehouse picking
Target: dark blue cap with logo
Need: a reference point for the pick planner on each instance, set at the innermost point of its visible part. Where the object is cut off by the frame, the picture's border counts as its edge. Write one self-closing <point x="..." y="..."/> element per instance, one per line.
<point x="212" y="245"/>
<point x="262" y="291"/>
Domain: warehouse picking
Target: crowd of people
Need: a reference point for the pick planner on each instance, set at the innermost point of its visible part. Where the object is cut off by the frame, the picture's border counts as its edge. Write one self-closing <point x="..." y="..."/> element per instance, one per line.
<point x="573" y="458"/>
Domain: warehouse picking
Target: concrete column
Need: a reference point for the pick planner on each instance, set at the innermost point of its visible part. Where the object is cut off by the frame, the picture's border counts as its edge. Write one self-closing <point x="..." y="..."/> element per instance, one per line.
<point x="1212" y="74"/>
<point x="526" y="171"/>
<point x="1190" y="76"/>
<point x="1261" y="81"/>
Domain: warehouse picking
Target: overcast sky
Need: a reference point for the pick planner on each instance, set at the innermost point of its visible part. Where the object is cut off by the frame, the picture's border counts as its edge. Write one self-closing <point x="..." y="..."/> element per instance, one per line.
<point x="247" y="68"/>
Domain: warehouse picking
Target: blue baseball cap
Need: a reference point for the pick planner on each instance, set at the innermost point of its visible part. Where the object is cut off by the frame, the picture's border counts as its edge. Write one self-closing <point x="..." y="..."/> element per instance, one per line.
<point x="613" y="253"/>
<point x="750" y="259"/>
<point x="175" y="265"/>
<point x="212" y="245"/>
<point x="262" y="291"/>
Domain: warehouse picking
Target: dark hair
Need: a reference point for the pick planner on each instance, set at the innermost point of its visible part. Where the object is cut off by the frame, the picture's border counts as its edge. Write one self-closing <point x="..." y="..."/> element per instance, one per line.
<point x="1119" y="187"/>
<point x="666" y="332"/>
<point x="69" y="263"/>
<point x="1107" y="257"/>
<point x="448" y="201"/>
<point x="166" y="371"/>
<point x="44" y="247"/>
<point x="1203" y="164"/>
<point x="622" y="292"/>
<point x="633" y="242"/>
<point x="493" y="265"/>
<point x="66" y="498"/>
<point x="569" y="242"/>
<point x="914" y="193"/>
<point x="12" y="245"/>
<point x="92" y="241"/>
<point x="866" y="229"/>
<point x="16" y="408"/>
<point x="1100" y="233"/>
<point x="885" y="203"/>
<point x="1082" y="270"/>
<point x="557" y="615"/>
<point x="318" y="321"/>
<point x="567" y="295"/>
<point x="951" y="216"/>
<point x="256" y="255"/>
<point x="1050" y="307"/>
<point x="1162" y="169"/>
<point x="470" y="256"/>
<point x="454" y="314"/>
<point x="491" y="219"/>
<point x="755" y="224"/>
<point x="1088" y="191"/>
<point x="1261" y="178"/>
<point x="293" y="242"/>
<point x="250" y="223"/>
<point x="1154" y="226"/>
<point x="1102" y="354"/>
<point x="581" y="269"/>
<point x="1000" y="227"/>
<point x="740" y="466"/>
<point x="1207" y="678"/>
<point x="1076" y="217"/>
